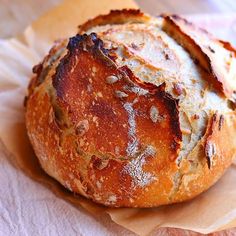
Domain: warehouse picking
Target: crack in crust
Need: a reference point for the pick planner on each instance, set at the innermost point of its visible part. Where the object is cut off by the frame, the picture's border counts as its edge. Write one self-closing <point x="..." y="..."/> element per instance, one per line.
<point x="215" y="127"/>
<point x="210" y="148"/>
<point x="45" y="67"/>
<point x="42" y="69"/>
<point x="199" y="43"/>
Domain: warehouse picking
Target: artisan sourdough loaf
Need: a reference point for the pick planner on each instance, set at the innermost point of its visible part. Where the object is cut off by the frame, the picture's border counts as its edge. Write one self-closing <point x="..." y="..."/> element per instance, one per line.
<point x="135" y="111"/>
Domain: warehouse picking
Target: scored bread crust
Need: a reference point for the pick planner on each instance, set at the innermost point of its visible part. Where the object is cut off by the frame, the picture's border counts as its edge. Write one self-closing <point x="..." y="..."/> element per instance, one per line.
<point x="103" y="130"/>
<point x="206" y="50"/>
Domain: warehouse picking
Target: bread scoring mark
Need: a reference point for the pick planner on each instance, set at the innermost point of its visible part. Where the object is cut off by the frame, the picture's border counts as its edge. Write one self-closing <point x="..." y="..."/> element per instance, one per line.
<point x="196" y="41"/>
<point x="132" y="147"/>
<point x="43" y="68"/>
<point x="173" y="108"/>
<point x="210" y="148"/>
<point x="135" y="168"/>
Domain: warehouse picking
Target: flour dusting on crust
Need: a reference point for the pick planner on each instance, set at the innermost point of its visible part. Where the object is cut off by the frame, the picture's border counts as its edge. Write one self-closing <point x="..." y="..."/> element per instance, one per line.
<point x="132" y="147"/>
<point x="135" y="168"/>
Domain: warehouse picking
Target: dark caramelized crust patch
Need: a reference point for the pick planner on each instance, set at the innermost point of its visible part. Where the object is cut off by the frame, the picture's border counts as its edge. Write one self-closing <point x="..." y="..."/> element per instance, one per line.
<point x="83" y="92"/>
<point x="118" y="118"/>
<point x="78" y="43"/>
<point x="228" y="46"/>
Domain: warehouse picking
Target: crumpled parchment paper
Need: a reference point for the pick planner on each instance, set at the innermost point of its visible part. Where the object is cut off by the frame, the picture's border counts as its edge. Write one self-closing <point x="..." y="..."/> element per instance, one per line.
<point x="211" y="211"/>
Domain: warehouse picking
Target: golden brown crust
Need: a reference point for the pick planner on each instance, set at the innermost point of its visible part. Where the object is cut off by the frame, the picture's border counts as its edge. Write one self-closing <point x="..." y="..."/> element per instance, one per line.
<point x="216" y="134"/>
<point x="102" y="113"/>
<point x="105" y="133"/>
<point x="115" y="17"/>
<point x="210" y="158"/>
<point x="42" y="69"/>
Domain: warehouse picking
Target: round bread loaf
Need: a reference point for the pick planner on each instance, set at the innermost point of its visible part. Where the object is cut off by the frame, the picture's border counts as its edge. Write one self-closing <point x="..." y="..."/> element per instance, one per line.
<point x="135" y="111"/>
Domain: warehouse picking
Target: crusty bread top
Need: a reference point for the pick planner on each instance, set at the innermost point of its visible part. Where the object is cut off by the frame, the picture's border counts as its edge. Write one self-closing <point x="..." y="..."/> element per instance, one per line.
<point x="156" y="55"/>
<point x="215" y="56"/>
<point x="135" y="99"/>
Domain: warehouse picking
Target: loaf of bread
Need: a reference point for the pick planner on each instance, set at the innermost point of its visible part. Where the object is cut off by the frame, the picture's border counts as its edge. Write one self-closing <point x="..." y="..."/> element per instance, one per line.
<point x="135" y="111"/>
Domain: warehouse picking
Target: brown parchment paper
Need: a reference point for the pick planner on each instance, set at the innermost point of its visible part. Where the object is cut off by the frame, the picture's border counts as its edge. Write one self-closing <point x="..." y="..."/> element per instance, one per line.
<point x="211" y="211"/>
